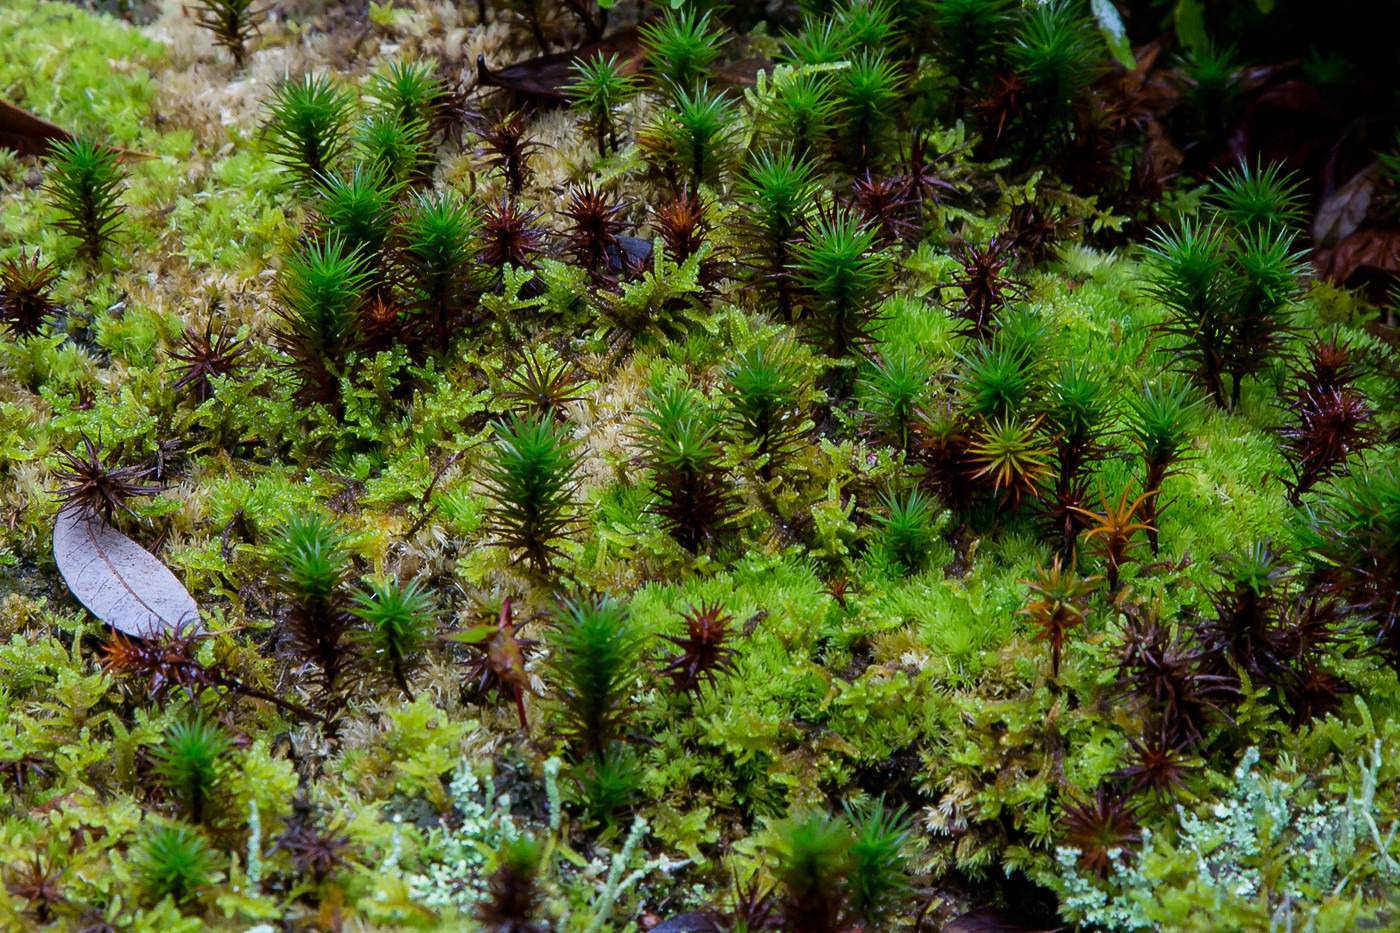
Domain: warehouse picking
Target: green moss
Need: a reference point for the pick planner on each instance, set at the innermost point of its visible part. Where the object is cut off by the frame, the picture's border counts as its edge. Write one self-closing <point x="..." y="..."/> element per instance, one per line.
<point x="81" y="71"/>
<point x="875" y="654"/>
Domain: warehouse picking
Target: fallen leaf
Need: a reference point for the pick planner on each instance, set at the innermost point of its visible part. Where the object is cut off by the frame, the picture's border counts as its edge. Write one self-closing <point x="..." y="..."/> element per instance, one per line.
<point x="1114" y="35"/>
<point x="549" y="76"/>
<point x="637" y="250"/>
<point x="1341" y="212"/>
<point x="741" y="73"/>
<point x="28" y="135"/>
<point x="1289" y="122"/>
<point x="25" y="133"/>
<point x="1160" y="158"/>
<point x="1371" y="250"/>
<point x="117" y="579"/>
<point x="992" y="920"/>
<point x="694" y="921"/>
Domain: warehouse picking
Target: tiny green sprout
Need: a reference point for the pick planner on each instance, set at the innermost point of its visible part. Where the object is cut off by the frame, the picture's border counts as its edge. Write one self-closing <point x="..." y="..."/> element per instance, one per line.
<point x="780" y="187"/>
<point x="777" y="190"/>
<point x="1354" y="535"/>
<point x="1055" y="55"/>
<point x="971" y="31"/>
<point x="307" y="125"/>
<point x="1257" y="198"/>
<point x="909" y="528"/>
<point x="1023" y="331"/>
<point x="314" y="562"/>
<point x="1211" y="96"/>
<point x="593" y="667"/>
<point x="869" y="24"/>
<point x="609" y="783"/>
<point x="1079" y="403"/>
<point x="399" y="624"/>
<point x="1189" y="273"/>
<point x="895" y="390"/>
<point x="437" y="256"/>
<point x="1266" y="281"/>
<point x="803" y="113"/>
<point x="394" y="150"/>
<point x="680" y="47"/>
<point x="358" y="210"/>
<point x="868" y="92"/>
<point x="879" y="878"/>
<point x="83" y="182"/>
<point x="599" y="88"/>
<point x="1330" y="71"/>
<point x="410" y="92"/>
<point x="1162" y="421"/>
<point x="679" y="437"/>
<point x="311" y="552"/>
<point x="764" y="393"/>
<point x="843" y="277"/>
<point x="319" y="294"/>
<point x="813" y="855"/>
<point x="190" y="762"/>
<point x="695" y="134"/>
<point x="997" y="379"/>
<point x="513" y="894"/>
<point x="175" y="862"/>
<point x="821" y="41"/>
<point x="1077" y="411"/>
<point x="232" y="22"/>
<point x="530" y="476"/>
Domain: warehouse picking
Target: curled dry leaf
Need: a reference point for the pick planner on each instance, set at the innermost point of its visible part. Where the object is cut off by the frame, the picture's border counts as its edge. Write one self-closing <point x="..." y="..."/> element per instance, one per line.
<point x="27" y="134"/>
<point x="548" y="76"/>
<point x="119" y="581"/>
<point x="1369" y="250"/>
<point x="1342" y="212"/>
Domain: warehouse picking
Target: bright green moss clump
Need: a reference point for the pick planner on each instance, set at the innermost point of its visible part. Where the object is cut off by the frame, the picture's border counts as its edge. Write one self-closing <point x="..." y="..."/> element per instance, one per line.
<point x="792" y="501"/>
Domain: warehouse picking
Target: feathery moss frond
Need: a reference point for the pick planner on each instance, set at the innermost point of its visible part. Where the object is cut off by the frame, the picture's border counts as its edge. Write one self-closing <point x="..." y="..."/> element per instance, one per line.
<point x="594" y="662"/>
<point x="84" y="182"/>
<point x="530" y="476"/>
<point x="307" y="125"/>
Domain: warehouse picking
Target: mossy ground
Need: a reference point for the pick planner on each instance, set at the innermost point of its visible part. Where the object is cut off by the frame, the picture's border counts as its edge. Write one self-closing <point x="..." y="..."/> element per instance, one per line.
<point x="926" y="688"/>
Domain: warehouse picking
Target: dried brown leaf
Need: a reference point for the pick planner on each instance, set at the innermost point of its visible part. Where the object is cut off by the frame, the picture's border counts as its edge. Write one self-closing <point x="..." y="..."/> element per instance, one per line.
<point x="1372" y="250"/>
<point x="549" y="76"/>
<point x="1342" y="212"/>
<point x="119" y="581"/>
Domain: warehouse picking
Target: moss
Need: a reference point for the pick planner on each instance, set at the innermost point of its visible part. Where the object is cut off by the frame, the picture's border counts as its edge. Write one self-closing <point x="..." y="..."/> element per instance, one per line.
<point x="862" y="668"/>
<point x="80" y="70"/>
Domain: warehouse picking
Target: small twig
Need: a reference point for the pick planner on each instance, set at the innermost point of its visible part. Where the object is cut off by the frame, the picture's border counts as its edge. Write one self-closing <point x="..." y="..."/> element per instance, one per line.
<point x="159" y="543"/>
<point x="228" y="529"/>
<point x="293" y="708"/>
<point x="923" y="912"/>
<point x="428" y="494"/>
